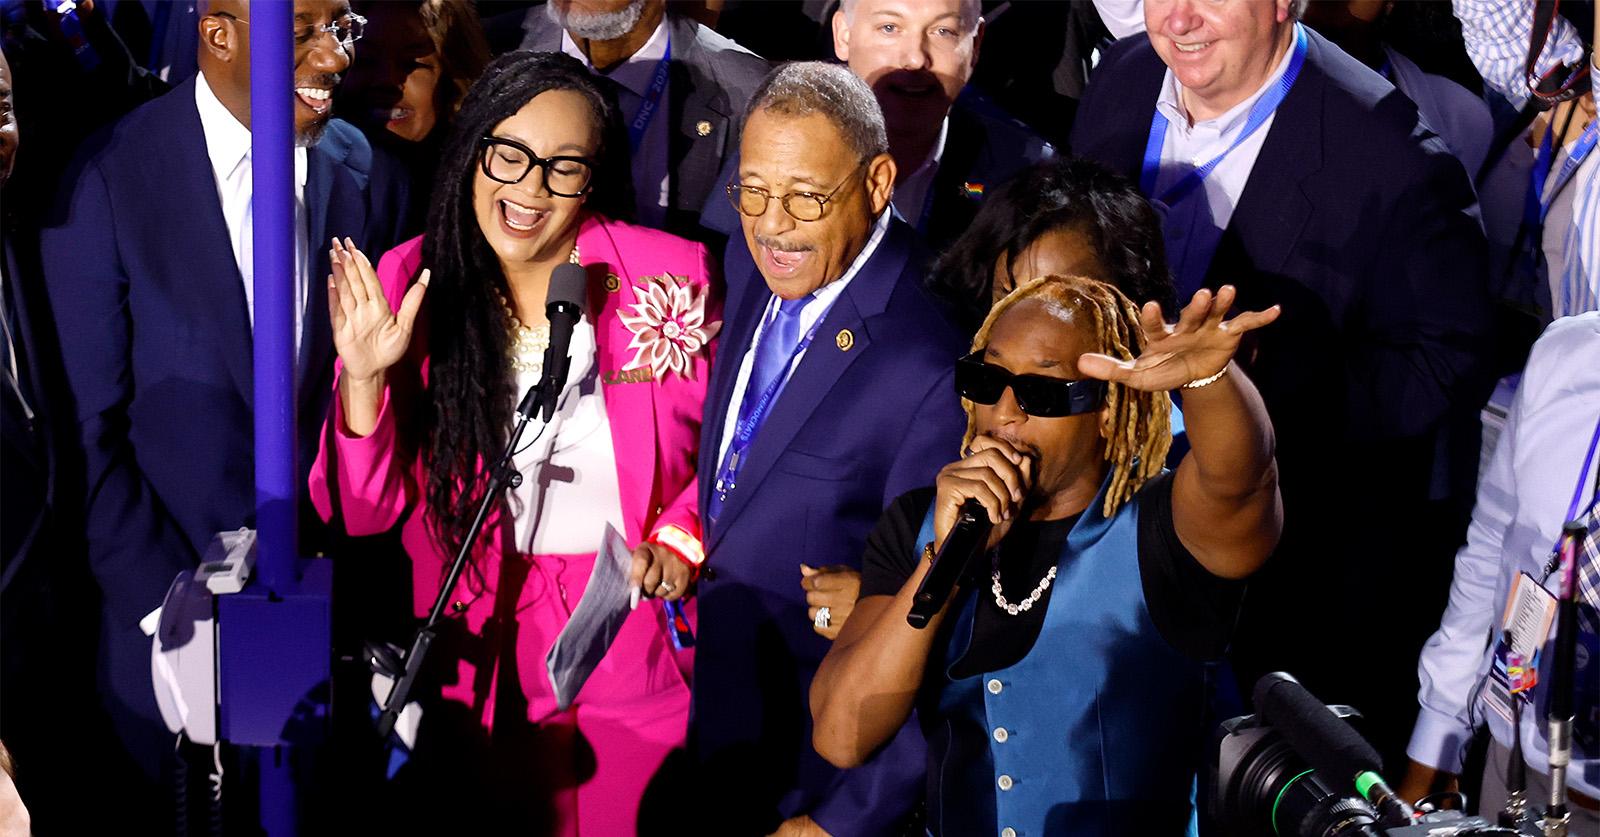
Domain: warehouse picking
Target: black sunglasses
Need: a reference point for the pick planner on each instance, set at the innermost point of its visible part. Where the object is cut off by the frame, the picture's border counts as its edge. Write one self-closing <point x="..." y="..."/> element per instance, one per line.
<point x="1037" y="395"/>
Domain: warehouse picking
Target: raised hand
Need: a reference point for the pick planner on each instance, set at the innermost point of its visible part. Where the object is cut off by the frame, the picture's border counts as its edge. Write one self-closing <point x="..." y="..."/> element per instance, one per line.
<point x="369" y="336"/>
<point x="1198" y="346"/>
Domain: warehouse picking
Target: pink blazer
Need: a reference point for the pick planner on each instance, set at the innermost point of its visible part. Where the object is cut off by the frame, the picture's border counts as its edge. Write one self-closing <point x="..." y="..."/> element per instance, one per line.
<point x="655" y="420"/>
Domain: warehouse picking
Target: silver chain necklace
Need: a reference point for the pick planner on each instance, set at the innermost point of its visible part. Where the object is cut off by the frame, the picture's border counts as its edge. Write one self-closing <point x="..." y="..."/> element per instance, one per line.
<point x="1026" y="604"/>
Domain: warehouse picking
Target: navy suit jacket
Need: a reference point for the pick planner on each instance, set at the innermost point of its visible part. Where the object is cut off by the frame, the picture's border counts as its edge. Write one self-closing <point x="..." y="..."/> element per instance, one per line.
<point x="1358" y="220"/>
<point x="156" y="341"/>
<point x="983" y="148"/>
<point x="870" y="412"/>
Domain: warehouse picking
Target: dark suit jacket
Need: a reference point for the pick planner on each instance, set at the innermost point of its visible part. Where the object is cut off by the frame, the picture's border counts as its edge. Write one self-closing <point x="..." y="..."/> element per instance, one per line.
<point x="870" y="412"/>
<point x="711" y="81"/>
<point x="983" y="148"/>
<point x="1361" y="224"/>
<point x="156" y="341"/>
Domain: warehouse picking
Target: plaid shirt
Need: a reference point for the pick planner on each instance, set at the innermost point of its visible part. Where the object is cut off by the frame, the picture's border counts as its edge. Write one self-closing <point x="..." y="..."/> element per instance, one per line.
<point x="1497" y="34"/>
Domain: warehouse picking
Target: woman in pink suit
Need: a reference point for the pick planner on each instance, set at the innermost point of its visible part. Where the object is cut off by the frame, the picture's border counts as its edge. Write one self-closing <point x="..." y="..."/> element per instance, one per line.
<point x="419" y="410"/>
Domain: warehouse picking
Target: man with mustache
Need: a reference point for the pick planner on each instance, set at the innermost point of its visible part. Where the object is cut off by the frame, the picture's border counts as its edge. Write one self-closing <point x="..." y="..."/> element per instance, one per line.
<point x="148" y="261"/>
<point x="1064" y="686"/>
<point x="948" y="143"/>
<point x="681" y="89"/>
<point x="831" y="396"/>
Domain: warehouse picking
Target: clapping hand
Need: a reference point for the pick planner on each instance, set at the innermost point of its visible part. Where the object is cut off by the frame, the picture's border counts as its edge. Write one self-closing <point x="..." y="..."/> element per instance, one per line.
<point x="369" y="336"/>
<point x="1198" y="346"/>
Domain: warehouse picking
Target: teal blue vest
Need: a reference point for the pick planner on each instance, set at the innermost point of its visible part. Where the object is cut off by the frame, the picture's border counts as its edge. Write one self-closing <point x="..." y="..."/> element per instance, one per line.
<point x="1099" y="730"/>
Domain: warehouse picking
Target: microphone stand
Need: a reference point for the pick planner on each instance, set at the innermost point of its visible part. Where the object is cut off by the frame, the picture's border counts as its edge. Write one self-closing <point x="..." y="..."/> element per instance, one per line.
<point x="1516" y="807"/>
<point x="1561" y="711"/>
<point x="502" y="475"/>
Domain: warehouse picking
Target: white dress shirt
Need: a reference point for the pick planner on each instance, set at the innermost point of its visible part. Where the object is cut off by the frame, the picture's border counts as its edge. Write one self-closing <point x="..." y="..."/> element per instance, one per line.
<point x="1522" y="497"/>
<point x="651" y="184"/>
<point x="911" y="194"/>
<point x="228" y="146"/>
<point x="1194" y="226"/>
<point x="812" y="313"/>
<point x="570" y="488"/>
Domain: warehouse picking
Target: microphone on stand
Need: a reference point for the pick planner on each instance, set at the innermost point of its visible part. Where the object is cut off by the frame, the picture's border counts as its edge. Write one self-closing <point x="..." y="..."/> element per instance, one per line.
<point x="966" y="541"/>
<point x="563" y="305"/>
<point x="1561" y="712"/>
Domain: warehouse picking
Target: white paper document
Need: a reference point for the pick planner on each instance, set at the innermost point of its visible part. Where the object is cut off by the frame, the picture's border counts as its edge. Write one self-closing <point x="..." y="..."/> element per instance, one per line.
<point x="595" y="622"/>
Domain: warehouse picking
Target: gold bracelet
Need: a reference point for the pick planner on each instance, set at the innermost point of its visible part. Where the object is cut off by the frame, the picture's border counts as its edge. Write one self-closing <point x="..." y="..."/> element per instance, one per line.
<point x="927" y="552"/>
<point x="1205" y="382"/>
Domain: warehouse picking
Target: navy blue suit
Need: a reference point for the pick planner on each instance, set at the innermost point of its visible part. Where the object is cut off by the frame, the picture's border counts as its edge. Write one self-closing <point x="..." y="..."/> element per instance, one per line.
<point x="869" y="412"/>
<point x="156" y="341"/>
<point x="1357" y="220"/>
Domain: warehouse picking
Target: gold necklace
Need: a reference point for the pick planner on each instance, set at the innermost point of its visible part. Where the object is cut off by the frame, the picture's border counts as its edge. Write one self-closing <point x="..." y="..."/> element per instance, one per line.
<point x="528" y="342"/>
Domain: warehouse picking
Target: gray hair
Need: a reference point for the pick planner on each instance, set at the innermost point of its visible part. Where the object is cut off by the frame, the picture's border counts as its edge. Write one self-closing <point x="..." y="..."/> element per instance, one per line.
<point x="971" y="12"/>
<point x="801" y="88"/>
<point x="597" y="26"/>
<point x="1297" y="8"/>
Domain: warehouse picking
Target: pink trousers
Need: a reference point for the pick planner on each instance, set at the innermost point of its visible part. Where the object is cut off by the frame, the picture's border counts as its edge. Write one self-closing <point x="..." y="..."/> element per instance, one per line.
<point x="595" y="759"/>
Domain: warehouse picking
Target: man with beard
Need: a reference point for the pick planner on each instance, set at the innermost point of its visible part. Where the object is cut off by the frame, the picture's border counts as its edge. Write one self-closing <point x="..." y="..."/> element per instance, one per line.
<point x="804" y="442"/>
<point x="148" y="261"/>
<point x="949" y="144"/>
<point x="681" y="90"/>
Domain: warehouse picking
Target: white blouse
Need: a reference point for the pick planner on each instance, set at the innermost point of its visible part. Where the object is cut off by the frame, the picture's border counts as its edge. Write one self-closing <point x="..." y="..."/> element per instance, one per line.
<point x="569" y="488"/>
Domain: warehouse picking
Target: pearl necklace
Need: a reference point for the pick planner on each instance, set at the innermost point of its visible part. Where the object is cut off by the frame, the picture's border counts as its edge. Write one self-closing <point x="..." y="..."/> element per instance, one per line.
<point x="1026" y="604"/>
<point x="528" y="342"/>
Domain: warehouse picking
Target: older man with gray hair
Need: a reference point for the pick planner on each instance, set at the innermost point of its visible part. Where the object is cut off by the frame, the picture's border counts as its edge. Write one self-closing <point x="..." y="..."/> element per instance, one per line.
<point x="831" y="396"/>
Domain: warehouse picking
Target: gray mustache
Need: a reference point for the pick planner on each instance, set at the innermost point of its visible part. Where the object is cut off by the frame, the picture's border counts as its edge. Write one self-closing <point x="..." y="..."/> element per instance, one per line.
<point x="775" y="244"/>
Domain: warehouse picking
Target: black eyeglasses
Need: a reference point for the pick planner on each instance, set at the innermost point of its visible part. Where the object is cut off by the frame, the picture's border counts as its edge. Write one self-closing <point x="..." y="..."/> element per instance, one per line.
<point x="801" y="206"/>
<point x="1037" y="395"/>
<point x="508" y="161"/>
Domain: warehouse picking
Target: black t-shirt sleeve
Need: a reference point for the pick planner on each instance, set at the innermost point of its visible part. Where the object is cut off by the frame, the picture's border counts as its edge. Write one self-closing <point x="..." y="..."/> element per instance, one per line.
<point x="1194" y="610"/>
<point x="892" y="551"/>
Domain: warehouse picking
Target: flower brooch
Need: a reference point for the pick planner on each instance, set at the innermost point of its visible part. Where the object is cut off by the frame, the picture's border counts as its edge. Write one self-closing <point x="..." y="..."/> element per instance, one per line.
<point x="669" y="325"/>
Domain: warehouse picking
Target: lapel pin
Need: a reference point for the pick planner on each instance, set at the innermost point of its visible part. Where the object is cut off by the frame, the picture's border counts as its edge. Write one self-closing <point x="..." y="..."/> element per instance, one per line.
<point x="703" y="128"/>
<point x="613" y="282"/>
<point x="845" y="339"/>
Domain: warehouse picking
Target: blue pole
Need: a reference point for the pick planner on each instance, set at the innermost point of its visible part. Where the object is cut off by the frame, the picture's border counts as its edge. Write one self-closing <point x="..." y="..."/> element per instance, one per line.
<point x="272" y="153"/>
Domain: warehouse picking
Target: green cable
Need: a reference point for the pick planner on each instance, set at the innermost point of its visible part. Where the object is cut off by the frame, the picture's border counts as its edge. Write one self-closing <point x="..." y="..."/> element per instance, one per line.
<point x="1364" y="782"/>
<point x="1285" y="790"/>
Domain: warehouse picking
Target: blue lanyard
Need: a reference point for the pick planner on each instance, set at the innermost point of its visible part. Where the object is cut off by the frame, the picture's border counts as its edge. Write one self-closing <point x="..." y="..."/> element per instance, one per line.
<point x="651" y="100"/>
<point x="1583" y="477"/>
<point x="745" y="430"/>
<point x="1537" y="206"/>
<point x="1259" y="114"/>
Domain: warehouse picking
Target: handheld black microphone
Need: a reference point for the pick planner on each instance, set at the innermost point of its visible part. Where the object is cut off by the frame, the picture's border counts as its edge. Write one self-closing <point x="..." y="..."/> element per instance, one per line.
<point x="966" y="541"/>
<point x="1331" y="746"/>
<point x="563" y="305"/>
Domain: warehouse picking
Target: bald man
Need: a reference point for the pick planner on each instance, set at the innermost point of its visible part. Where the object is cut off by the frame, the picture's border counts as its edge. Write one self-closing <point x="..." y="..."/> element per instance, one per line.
<point x="148" y="261"/>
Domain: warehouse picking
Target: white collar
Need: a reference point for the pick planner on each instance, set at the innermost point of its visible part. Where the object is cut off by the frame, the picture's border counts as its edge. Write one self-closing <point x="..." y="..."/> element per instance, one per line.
<point x="228" y="140"/>
<point x="827" y="294"/>
<point x="636" y="72"/>
<point x="1230" y="121"/>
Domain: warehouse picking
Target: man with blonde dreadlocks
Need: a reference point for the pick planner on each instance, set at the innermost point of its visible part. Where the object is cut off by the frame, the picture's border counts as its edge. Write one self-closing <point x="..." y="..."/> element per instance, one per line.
<point x="1063" y="687"/>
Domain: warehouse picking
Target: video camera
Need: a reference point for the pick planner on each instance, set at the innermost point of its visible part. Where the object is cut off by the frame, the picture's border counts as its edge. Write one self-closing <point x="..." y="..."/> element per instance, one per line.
<point x="1298" y="768"/>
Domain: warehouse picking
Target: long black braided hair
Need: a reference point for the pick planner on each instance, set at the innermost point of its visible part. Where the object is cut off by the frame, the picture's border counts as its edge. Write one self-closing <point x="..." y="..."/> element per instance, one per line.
<point x="467" y="411"/>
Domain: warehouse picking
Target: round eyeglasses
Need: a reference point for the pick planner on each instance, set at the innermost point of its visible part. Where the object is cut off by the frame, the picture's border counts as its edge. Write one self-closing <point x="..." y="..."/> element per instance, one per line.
<point x="801" y="206"/>
<point x="508" y="161"/>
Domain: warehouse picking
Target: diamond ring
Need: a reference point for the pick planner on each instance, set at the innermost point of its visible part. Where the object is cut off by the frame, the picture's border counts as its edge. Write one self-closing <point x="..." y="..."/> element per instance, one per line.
<point x="664" y="588"/>
<point x="824" y="618"/>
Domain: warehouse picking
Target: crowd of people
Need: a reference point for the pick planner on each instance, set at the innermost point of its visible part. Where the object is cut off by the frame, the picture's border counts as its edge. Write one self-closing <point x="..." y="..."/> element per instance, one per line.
<point x="1226" y="313"/>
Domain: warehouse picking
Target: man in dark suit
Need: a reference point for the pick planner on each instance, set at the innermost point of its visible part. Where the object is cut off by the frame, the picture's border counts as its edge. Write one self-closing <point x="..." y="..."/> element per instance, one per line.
<point x="1342" y="206"/>
<point x="147" y="259"/>
<point x="949" y="143"/>
<point x="681" y="89"/>
<point x="833" y="392"/>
